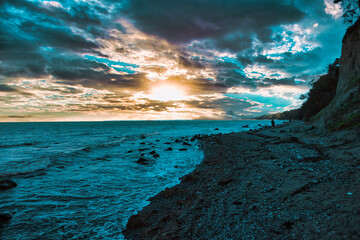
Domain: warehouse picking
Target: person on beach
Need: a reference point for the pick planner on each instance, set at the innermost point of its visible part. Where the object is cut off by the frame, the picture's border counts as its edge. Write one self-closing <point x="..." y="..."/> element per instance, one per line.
<point x="272" y="123"/>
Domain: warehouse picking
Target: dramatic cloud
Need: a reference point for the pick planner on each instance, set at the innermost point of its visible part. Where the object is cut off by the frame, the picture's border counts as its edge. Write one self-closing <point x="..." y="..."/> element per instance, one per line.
<point x="161" y="59"/>
<point x="183" y="21"/>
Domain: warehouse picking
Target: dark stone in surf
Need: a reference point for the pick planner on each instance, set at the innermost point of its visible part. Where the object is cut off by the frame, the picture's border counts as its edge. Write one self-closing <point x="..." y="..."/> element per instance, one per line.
<point x="156" y="155"/>
<point x="186" y="144"/>
<point x="7" y="184"/>
<point x="167" y="143"/>
<point x="246" y="126"/>
<point x="142" y="143"/>
<point x="195" y="137"/>
<point x="130" y="151"/>
<point x="183" y="149"/>
<point x="4" y="217"/>
<point x="143" y="161"/>
<point x="216" y="129"/>
<point x="135" y="222"/>
<point x="152" y="152"/>
<point x="177" y="140"/>
<point x="169" y="149"/>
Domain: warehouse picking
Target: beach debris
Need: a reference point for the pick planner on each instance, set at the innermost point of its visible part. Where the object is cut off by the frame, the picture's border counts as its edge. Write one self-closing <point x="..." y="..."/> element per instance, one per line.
<point x="4" y="217"/>
<point x="288" y="140"/>
<point x="7" y="184"/>
<point x="169" y="149"/>
<point x="267" y="190"/>
<point x="287" y="225"/>
<point x="225" y="182"/>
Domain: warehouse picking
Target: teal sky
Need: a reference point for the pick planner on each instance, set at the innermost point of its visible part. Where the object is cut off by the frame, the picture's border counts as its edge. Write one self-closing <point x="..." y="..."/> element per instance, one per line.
<point x="160" y="59"/>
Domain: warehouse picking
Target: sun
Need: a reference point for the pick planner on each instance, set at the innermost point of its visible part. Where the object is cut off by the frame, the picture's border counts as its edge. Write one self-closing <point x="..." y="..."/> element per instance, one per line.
<point x="166" y="92"/>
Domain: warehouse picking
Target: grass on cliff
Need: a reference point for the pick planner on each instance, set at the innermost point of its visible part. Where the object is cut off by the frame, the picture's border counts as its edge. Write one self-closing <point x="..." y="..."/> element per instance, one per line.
<point x="322" y="93"/>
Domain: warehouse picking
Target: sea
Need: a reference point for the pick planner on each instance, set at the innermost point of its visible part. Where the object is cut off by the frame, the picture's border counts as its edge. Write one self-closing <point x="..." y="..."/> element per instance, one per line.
<point x="81" y="180"/>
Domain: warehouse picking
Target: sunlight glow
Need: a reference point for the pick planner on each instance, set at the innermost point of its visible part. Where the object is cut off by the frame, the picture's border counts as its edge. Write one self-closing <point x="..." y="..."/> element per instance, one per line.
<point x="167" y="93"/>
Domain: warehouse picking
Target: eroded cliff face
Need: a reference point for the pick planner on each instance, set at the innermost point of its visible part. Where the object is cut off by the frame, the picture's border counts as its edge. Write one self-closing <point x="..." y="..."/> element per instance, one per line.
<point x="350" y="60"/>
<point x="344" y="110"/>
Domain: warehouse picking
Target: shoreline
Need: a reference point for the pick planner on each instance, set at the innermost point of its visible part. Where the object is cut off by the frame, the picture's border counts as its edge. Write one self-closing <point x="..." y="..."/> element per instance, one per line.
<point x="289" y="182"/>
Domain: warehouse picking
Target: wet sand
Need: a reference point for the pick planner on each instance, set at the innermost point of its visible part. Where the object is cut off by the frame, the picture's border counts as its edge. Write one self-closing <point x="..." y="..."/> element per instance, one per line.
<point x="290" y="182"/>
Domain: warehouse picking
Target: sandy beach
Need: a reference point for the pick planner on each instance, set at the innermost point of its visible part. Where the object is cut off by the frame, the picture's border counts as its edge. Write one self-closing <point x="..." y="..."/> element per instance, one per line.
<point x="288" y="182"/>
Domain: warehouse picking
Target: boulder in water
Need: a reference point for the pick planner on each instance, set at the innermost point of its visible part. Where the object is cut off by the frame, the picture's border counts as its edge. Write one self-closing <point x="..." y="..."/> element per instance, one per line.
<point x="5" y="217"/>
<point x="7" y="184"/>
<point x="143" y="161"/>
<point x="135" y="222"/>
<point x="169" y="149"/>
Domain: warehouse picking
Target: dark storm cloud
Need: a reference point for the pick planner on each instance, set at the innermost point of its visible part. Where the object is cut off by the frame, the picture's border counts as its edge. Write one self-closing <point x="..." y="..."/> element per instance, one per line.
<point x="183" y="21"/>
<point x="10" y="89"/>
<point x="57" y="37"/>
<point x="7" y="88"/>
<point x="38" y="40"/>
<point x="234" y="77"/>
<point x="189" y="63"/>
<point x="93" y="74"/>
<point x="233" y="42"/>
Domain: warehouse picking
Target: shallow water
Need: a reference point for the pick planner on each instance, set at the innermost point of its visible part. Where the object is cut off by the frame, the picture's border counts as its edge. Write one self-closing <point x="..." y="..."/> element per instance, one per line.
<point x="79" y="180"/>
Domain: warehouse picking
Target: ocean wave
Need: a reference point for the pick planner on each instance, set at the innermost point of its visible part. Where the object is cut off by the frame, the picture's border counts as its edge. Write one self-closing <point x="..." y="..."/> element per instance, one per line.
<point x="19" y="145"/>
<point x="25" y="168"/>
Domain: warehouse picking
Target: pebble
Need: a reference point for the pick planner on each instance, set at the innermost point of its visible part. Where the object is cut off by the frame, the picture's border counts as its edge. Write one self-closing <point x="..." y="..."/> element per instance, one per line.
<point x="7" y="184"/>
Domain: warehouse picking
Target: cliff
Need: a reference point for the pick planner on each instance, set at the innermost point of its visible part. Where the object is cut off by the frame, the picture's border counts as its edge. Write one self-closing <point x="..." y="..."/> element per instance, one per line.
<point x="344" y="109"/>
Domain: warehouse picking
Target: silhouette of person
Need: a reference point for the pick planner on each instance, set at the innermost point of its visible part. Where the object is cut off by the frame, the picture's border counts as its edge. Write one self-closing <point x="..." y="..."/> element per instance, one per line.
<point x="272" y="123"/>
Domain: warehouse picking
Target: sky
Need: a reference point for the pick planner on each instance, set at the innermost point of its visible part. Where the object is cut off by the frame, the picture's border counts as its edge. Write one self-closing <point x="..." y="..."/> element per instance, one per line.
<point x="97" y="60"/>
